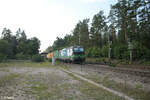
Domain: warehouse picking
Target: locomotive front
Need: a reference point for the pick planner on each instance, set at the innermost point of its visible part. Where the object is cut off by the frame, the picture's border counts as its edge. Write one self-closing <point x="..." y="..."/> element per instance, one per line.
<point x="78" y="54"/>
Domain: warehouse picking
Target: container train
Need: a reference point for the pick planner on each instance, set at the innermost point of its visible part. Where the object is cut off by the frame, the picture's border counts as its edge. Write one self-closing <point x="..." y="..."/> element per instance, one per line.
<point x="74" y="54"/>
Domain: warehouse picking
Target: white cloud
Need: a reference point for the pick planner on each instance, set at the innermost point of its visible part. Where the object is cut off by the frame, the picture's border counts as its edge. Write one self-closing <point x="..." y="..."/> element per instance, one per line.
<point x="93" y="1"/>
<point x="38" y="18"/>
<point x="45" y="19"/>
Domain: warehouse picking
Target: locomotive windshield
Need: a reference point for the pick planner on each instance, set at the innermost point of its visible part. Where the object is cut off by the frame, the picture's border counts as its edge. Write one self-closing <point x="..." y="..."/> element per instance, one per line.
<point x="81" y="49"/>
<point x="78" y="49"/>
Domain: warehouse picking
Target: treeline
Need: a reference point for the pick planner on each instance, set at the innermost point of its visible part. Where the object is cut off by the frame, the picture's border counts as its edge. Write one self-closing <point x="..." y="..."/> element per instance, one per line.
<point x="17" y="46"/>
<point x="126" y="28"/>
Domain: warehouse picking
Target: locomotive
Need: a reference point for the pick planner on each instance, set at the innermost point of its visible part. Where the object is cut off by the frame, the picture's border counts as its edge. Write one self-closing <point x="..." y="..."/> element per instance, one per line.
<point x="73" y="54"/>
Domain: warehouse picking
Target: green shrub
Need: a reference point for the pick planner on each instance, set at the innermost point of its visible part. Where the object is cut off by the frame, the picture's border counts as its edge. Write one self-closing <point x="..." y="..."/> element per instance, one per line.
<point x="2" y="57"/>
<point x="21" y="56"/>
<point x="104" y="51"/>
<point x="93" y="52"/>
<point x="112" y="65"/>
<point x="120" y="51"/>
<point x="88" y="52"/>
<point x="37" y="58"/>
<point x="49" y="60"/>
<point x="140" y="51"/>
<point x="5" y="50"/>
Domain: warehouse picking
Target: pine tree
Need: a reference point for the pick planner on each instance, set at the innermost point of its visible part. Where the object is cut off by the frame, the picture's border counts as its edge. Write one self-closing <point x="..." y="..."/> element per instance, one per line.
<point x="84" y="33"/>
<point x="132" y="20"/>
<point x="76" y="33"/>
<point x="144" y="22"/>
<point x="121" y="13"/>
<point x="97" y="29"/>
<point x="81" y="33"/>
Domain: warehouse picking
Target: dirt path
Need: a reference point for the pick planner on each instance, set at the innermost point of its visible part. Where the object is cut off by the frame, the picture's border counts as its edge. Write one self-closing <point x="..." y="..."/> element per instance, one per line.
<point x="46" y="83"/>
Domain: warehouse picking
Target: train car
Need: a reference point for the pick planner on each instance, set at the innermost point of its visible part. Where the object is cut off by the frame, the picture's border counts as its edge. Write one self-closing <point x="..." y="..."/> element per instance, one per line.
<point x="56" y="54"/>
<point x="78" y="54"/>
<point x="63" y="54"/>
<point x="50" y="55"/>
<point x="71" y="54"/>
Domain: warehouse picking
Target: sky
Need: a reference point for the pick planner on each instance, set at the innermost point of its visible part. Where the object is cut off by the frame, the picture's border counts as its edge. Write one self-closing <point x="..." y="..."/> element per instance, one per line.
<point x="47" y="19"/>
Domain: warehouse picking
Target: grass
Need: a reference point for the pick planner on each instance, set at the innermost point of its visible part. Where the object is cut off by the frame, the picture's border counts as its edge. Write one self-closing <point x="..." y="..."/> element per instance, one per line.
<point x="98" y="93"/>
<point x="98" y="60"/>
<point x="4" y="70"/>
<point x="118" y="62"/>
<point x="26" y="64"/>
<point x="138" y="93"/>
<point x="40" y="89"/>
<point x="8" y="79"/>
<point x="94" y="92"/>
<point x="67" y="91"/>
<point x="45" y="91"/>
<point x="53" y="92"/>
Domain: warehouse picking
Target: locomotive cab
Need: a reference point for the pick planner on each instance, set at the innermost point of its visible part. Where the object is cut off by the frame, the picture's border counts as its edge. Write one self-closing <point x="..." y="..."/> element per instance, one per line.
<point x="78" y="53"/>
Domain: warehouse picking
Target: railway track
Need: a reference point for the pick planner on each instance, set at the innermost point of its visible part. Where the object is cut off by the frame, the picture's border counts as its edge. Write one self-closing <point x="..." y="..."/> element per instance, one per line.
<point x="98" y="67"/>
<point x="132" y="71"/>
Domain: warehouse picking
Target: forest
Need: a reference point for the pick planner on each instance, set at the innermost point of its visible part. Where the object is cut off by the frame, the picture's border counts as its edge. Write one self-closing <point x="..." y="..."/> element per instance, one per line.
<point x="126" y="29"/>
<point x="17" y="46"/>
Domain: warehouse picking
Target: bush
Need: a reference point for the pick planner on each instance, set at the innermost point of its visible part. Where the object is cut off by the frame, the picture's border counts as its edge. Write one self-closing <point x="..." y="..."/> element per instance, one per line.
<point x="5" y="50"/>
<point x="96" y="52"/>
<point x="49" y="60"/>
<point x="120" y="51"/>
<point x="93" y="52"/>
<point x="88" y="52"/>
<point x="112" y="65"/>
<point x="140" y="51"/>
<point x="21" y="56"/>
<point x="2" y="57"/>
<point x="104" y="51"/>
<point x="37" y="58"/>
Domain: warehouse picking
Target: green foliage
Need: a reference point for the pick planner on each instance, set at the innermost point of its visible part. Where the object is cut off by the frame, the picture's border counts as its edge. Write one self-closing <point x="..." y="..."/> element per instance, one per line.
<point x="121" y="51"/>
<point x="4" y="50"/>
<point x="2" y="57"/>
<point x="104" y="51"/>
<point x="112" y="65"/>
<point x="27" y="46"/>
<point x="89" y="52"/>
<point x="93" y="52"/>
<point x="37" y="58"/>
<point x="97" y="29"/>
<point x="60" y="43"/>
<point x="96" y="52"/>
<point x="18" y="46"/>
<point x="4" y="47"/>
<point x="21" y="56"/>
<point x="129" y="20"/>
<point x="140" y="51"/>
<point x="33" y="46"/>
<point x="49" y="60"/>
<point x="81" y="33"/>
<point x="84" y="33"/>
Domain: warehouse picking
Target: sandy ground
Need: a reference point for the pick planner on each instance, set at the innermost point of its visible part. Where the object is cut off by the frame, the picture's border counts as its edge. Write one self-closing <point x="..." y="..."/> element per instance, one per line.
<point x="46" y="83"/>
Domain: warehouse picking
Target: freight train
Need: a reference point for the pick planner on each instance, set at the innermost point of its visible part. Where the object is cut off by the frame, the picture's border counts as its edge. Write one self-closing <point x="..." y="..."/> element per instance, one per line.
<point x="73" y="54"/>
